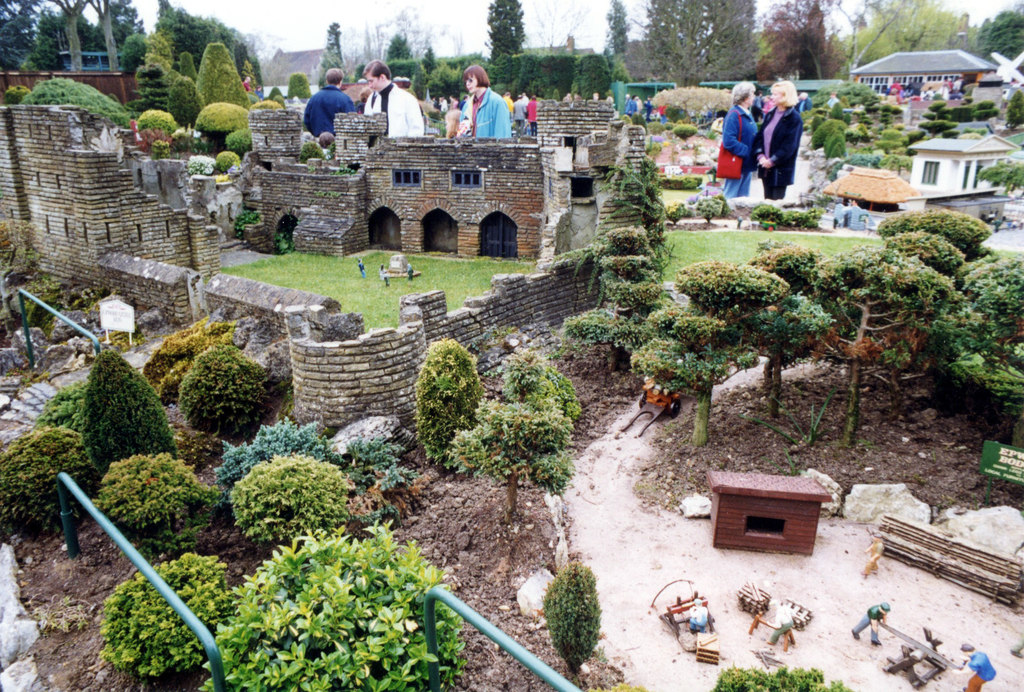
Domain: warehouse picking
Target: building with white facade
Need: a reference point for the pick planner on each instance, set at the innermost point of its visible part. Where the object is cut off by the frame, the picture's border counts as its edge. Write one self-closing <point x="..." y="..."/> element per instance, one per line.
<point x="945" y="171"/>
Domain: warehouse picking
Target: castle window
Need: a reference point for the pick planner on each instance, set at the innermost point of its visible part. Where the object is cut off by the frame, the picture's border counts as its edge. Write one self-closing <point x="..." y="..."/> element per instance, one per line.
<point x="582" y="187"/>
<point x="405" y="178"/>
<point x="466" y="178"/>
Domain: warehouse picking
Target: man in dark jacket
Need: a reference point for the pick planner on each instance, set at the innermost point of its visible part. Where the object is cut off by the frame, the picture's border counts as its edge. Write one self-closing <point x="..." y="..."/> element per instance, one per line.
<point x="320" y="109"/>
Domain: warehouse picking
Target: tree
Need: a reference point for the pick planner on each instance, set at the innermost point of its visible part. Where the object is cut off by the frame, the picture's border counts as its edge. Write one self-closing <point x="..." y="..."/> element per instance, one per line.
<point x="553" y="22"/>
<point x="863" y="37"/>
<point x="187" y="66"/>
<point x="218" y="80"/>
<point x="102" y="8"/>
<point x="153" y="87"/>
<point x="690" y="41"/>
<point x="17" y="31"/>
<point x="332" y="52"/>
<point x="134" y="52"/>
<point x="429" y="61"/>
<point x="573" y="612"/>
<point x="1004" y="34"/>
<point x="505" y="28"/>
<point x="247" y="64"/>
<point x="183" y="101"/>
<point x="1004" y="174"/>
<point x="798" y="41"/>
<point x="909" y="25"/>
<point x="448" y="392"/>
<point x="618" y="30"/>
<point x="398" y="49"/>
<point x="1015" y="110"/>
<point x="71" y="11"/>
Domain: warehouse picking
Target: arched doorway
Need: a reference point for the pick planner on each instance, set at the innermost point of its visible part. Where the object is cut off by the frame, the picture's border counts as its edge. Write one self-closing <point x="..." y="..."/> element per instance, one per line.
<point x="385" y="230"/>
<point x="498" y="236"/>
<point x="284" y="241"/>
<point x="440" y="232"/>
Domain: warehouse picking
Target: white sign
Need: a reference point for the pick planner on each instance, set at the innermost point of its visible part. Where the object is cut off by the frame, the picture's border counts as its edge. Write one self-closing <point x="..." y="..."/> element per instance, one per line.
<point x="117" y="316"/>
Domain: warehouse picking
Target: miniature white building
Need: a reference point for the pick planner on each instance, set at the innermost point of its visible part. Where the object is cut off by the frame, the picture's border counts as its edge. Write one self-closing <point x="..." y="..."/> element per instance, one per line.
<point x="945" y="171"/>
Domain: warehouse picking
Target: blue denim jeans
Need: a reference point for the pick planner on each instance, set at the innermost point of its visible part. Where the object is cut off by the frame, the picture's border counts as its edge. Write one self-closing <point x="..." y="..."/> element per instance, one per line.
<point x="865" y="622"/>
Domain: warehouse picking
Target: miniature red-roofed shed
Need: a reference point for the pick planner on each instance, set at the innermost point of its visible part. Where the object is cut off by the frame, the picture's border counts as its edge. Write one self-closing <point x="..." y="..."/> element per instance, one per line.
<point x="757" y="511"/>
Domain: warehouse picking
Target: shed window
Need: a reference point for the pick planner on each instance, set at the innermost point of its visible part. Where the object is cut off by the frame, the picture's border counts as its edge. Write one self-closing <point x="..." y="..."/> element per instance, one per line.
<point x="405" y="178"/>
<point x="466" y="178"/>
<point x="765" y="525"/>
<point x="931" y="173"/>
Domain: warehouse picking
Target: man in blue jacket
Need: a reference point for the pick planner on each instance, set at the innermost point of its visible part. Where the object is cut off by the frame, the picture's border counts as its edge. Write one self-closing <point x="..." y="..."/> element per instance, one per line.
<point x="320" y="110"/>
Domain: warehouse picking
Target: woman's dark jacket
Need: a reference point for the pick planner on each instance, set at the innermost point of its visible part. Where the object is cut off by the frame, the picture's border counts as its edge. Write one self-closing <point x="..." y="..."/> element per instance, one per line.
<point x="785" y="144"/>
<point x="739" y="139"/>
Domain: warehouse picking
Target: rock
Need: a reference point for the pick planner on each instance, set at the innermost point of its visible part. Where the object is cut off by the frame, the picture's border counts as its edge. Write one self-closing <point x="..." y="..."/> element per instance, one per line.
<point x="398" y="264"/>
<point x="927" y="416"/>
<point x="21" y="677"/>
<point x="57" y="359"/>
<point x="867" y="504"/>
<point x="828" y="509"/>
<point x="556" y="506"/>
<point x="11" y="358"/>
<point x="39" y="342"/>
<point x="695" y="507"/>
<point x="152" y="322"/>
<point x="17" y="632"/>
<point x="387" y="427"/>
<point x="531" y="595"/>
<point x="561" y="551"/>
<point x="252" y="335"/>
<point x="276" y="359"/>
<point x="5" y="402"/>
<point x="62" y="331"/>
<point x="82" y="345"/>
<point x="996" y="528"/>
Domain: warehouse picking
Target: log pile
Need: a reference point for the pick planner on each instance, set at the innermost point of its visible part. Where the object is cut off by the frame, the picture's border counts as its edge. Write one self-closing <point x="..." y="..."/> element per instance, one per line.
<point x="801" y="615"/>
<point x="996" y="575"/>
<point x="708" y="648"/>
<point x="754" y="600"/>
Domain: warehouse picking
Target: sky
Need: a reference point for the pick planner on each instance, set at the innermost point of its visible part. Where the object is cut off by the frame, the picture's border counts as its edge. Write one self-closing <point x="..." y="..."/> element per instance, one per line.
<point x="302" y="24"/>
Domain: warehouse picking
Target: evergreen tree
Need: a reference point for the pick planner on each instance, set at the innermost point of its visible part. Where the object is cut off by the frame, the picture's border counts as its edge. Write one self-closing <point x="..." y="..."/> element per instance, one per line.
<point x="505" y="28"/>
<point x="17" y="31"/>
<point x="218" y="80"/>
<point x="153" y="89"/>
<point x="187" y="65"/>
<point x="183" y="101"/>
<point x="429" y="61"/>
<point x="1004" y="34"/>
<point x="398" y="49"/>
<point x="332" y="52"/>
<point x="134" y="53"/>
<point x="573" y="613"/>
<point x="618" y="30"/>
<point x="1015" y="111"/>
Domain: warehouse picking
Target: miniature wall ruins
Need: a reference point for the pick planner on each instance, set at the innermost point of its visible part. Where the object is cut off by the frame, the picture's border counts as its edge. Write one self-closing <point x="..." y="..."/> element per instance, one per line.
<point x="233" y="297"/>
<point x="177" y="291"/>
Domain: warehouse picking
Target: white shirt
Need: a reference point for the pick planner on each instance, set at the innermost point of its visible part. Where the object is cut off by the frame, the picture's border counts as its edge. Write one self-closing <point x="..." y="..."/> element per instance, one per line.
<point x="404" y="116"/>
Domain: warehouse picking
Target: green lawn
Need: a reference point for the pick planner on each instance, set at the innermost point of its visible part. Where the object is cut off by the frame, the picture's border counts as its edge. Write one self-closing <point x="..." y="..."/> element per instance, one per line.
<point x="669" y="196"/>
<point x="338" y="277"/>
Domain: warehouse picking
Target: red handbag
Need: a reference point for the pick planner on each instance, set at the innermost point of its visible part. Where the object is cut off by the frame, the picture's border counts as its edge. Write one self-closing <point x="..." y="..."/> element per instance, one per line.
<point x="730" y="166"/>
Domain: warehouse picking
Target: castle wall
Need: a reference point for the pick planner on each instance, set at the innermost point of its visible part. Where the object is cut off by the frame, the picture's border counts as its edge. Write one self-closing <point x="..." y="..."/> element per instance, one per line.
<point x="234" y="297"/>
<point x="177" y="291"/>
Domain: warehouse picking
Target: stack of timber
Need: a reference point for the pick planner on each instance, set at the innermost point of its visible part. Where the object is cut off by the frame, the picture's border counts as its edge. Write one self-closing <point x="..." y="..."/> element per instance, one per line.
<point x="801" y="615"/>
<point x="996" y="575"/>
<point x="754" y="600"/>
<point x="708" y="649"/>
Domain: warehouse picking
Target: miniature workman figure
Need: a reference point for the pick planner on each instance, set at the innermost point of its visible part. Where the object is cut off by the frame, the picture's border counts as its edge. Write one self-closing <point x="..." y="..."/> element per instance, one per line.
<point x="362" y="268"/>
<point x="875" y="615"/>
<point x="698" y="616"/>
<point x="408" y="270"/>
<point x="874" y="552"/>
<point x="383" y="274"/>
<point x="977" y="663"/>
<point x="783" y="622"/>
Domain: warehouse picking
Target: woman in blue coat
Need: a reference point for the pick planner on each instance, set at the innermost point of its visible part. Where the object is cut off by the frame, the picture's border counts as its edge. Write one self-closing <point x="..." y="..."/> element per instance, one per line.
<point x="738" y="138"/>
<point x="486" y="114"/>
<point x="778" y="140"/>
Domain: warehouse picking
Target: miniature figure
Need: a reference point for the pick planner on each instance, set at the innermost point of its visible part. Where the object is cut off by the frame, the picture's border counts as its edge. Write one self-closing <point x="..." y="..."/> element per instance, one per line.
<point x="408" y="270"/>
<point x="874" y="552"/>
<point x="978" y="663"/>
<point x="362" y="268"/>
<point x="383" y="274"/>
<point x="875" y="615"/>
<point x="782" y="623"/>
<point x="699" y="616"/>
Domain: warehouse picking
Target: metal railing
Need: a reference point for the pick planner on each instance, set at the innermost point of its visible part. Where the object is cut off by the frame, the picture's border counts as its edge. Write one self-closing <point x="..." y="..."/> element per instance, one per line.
<point x="66" y="484"/>
<point x="22" y="295"/>
<point x="537" y="667"/>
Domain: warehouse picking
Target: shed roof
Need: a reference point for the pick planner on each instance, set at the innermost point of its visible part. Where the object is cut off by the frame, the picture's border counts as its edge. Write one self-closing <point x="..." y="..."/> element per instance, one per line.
<point x="872" y="185"/>
<point x="799" y="488"/>
<point x="925" y="62"/>
<point x="991" y="143"/>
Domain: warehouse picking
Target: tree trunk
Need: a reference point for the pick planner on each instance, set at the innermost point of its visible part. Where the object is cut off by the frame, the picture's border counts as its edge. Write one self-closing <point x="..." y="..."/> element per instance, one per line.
<point x="700" y="421"/>
<point x="108" y="35"/>
<point x="773" y="375"/>
<point x="74" y="44"/>
<point x="852" y="405"/>
<point x="511" y="495"/>
<point x="1017" y="439"/>
<point x="895" y="395"/>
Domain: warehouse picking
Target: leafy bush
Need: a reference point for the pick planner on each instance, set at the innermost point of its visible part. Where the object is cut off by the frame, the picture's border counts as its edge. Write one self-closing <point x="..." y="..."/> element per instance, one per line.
<point x="196" y="449"/>
<point x="933" y="250"/>
<point x="200" y="165"/>
<point x="172" y="361"/>
<point x="245" y="218"/>
<point x="123" y="415"/>
<point x="782" y="680"/>
<point x="803" y="219"/>
<point x="531" y="380"/>
<point x="971" y="384"/>
<point x="28" y="477"/>
<point x="218" y="80"/>
<point x="298" y="86"/>
<point x="160" y="150"/>
<point x="835" y="146"/>
<point x="16" y="94"/>
<point x="158" y="120"/>
<point x="61" y="92"/>
<point x="983" y="110"/>
<point x="310" y="150"/>
<point x="156" y="501"/>
<point x="712" y="207"/>
<point x="154" y="85"/>
<point x="674" y="211"/>
<point x="965" y="232"/>
<point x="266" y="105"/>
<point x="383" y="484"/>
<point x="766" y="213"/>
<point x="684" y="131"/>
<point x="573" y="614"/>
<point x="680" y="182"/>
<point x="448" y="390"/>
<point x="187" y="65"/>
<point x="225" y="160"/>
<point x="223" y="391"/>
<point x="275" y="93"/>
<point x="655" y="128"/>
<point x="65" y="409"/>
<point x="144" y="637"/>
<point x="239" y="141"/>
<point x="355" y="619"/>
<point x="222" y="119"/>
<point x="825" y="130"/>
<point x="794" y="264"/>
<point x="184" y="102"/>
<point x="864" y="160"/>
<point x="290" y="496"/>
<point x="1015" y="110"/>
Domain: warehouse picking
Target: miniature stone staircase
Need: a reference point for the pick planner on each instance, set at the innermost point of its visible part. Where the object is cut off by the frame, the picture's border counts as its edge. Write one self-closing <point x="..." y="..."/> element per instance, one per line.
<point x="29" y="404"/>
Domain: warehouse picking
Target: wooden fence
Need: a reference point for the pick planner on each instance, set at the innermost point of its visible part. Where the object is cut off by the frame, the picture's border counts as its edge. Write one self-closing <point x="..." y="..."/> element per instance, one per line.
<point x="120" y="85"/>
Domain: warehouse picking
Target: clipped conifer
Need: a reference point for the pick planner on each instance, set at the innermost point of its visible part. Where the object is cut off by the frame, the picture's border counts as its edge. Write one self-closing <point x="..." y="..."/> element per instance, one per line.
<point x="187" y="65"/>
<point x="1015" y="111"/>
<point x="123" y="415"/>
<point x="573" y="614"/>
<point x="448" y="390"/>
<point x="298" y="86"/>
<point x="218" y="80"/>
<point x="153" y="87"/>
<point x="835" y="146"/>
<point x="184" y="102"/>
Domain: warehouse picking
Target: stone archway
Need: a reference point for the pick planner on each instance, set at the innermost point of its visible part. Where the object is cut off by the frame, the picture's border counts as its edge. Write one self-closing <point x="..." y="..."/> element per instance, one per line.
<point x="499" y="236"/>
<point x="385" y="230"/>
<point x="440" y="232"/>
<point x="284" y="241"/>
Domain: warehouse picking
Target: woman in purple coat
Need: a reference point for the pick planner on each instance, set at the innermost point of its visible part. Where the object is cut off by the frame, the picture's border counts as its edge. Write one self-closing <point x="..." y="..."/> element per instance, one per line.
<point x="777" y="142"/>
<point x="738" y="138"/>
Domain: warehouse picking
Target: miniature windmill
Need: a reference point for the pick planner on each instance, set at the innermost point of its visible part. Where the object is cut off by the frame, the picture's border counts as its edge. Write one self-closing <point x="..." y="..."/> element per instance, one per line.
<point x="1008" y="69"/>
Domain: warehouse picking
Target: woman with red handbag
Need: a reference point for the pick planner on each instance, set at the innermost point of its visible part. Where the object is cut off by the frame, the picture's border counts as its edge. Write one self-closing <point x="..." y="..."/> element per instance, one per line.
<point x="736" y="165"/>
<point x="777" y="142"/>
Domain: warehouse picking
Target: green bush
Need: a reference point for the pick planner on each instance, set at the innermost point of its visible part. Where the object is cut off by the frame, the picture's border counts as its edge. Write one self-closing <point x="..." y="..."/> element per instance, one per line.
<point x="684" y="131"/>
<point x="275" y="93"/>
<point x="16" y="94"/>
<point x="292" y="496"/>
<point x="187" y="65"/>
<point x="222" y="119"/>
<point x="933" y="250"/>
<point x="67" y="92"/>
<point x="28" y="477"/>
<point x="970" y="384"/>
<point x="239" y="141"/>
<point x="123" y="415"/>
<point x="712" y="207"/>
<point x="310" y="150"/>
<point x="351" y="607"/>
<point x="1015" y="110"/>
<point x="159" y="150"/>
<point x="184" y="102"/>
<point x="266" y="105"/>
<point x="448" y="390"/>
<point x="154" y="87"/>
<point x="227" y="159"/>
<point x="782" y="680"/>
<point x="218" y="80"/>
<point x="172" y="361"/>
<point x="864" y="160"/>
<point x="803" y="219"/>
<point x="156" y="501"/>
<point x="573" y="614"/>
<point x="298" y="86"/>
<point x="158" y="120"/>
<point x="65" y="409"/>
<point x="825" y="130"/>
<point x="674" y="211"/>
<point x="983" y="110"/>
<point x="965" y="232"/>
<point x="223" y="391"/>
<point x="531" y="380"/>
<point x="794" y="264"/>
<point x="144" y="637"/>
<point x="835" y="146"/>
<point x="680" y="182"/>
<point x="379" y="479"/>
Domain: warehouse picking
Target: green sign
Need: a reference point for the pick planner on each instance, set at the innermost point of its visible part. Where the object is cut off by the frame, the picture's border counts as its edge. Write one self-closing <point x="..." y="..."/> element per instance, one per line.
<point x="1003" y="462"/>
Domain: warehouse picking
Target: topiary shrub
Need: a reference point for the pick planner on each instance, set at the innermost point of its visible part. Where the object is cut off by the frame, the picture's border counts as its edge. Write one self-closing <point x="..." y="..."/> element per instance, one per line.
<point x="448" y="390"/>
<point x="144" y="637"/>
<point x="28" y="477"/>
<point x="157" y="120"/>
<point x="266" y="105"/>
<point x="225" y="160"/>
<point x="184" y="101"/>
<point x="298" y="86"/>
<point x="361" y="605"/>
<point x="933" y="250"/>
<point x="782" y="680"/>
<point x="156" y="501"/>
<point x="239" y="141"/>
<point x="275" y="93"/>
<point x="222" y="119"/>
<point x="223" y="391"/>
<point x="310" y="150"/>
<point x="290" y="496"/>
<point x="123" y="415"/>
<point x="573" y="614"/>
<point x="172" y="361"/>
<point x="16" y="94"/>
<point x="65" y="409"/>
<point x="187" y="65"/>
<point x="67" y="92"/>
<point x="826" y="130"/>
<point x="835" y="146"/>
<point x="218" y="80"/>
<point x="531" y="380"/>
<point x="684" y="131"/>
<point x="965" y="232"/>
<point x="154" y="85"/>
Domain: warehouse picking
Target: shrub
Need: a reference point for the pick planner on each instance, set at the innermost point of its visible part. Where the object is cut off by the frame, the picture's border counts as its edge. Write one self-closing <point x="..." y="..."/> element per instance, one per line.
<point x="674" y="211"/>
<point x="448" y="390"/>
<point x="864" y="160"/>
<point x="655" y="128"/>
<point x="794" y="264"/>
<point x="782" y="680"/>
<point x="965" y="232"/>
<point x="66" y="92"/>
<point x="825" y="130"/>
<point x="160" y="150"/>
<point x="530" y="379"/>
<point x="290" y="496"/>
<point x="835" y="146"/>
<point x="174" y="358"/>
<point x="803" y="219"/>
<point x="196" y="449"/>
<point x="16" y="94"/>
<point x="381" y="481"/>
<point x="200" y="165"/>
<point x="223" y="391"/>
<point x="156" y="501"/>
<point x="680" y="182"/>
<point x="28" y="477"/>
<point x="983" y="110"/>
<point x="933" y="250"/>
<point x="310" y="150"/>
<point x="184" y="102"/>
<point x="133" y="53"/>
<point x="298" y="86"/>
<point x="218" y="80"/>
<point x="65" y="409"/>
<point x="684" y="131"/>
<point x="710" y="208"/>
<point x="239" y="141"/>
<point x="573" y="614"/>
<point x="222" y="119"/>
<point x="225" y="160"/>
<point x="123" y="415"/>
<point x="154" y="86"/>
<point x="187" y="65"/>
<point x="158" y="120"/>
<point x="1015" y="110"/>
<point x="144" y="637"/>
<point x="275" y="93"/>
<point x="361" y="602"/>
<point x="266" y="105"/>
<point x="149" y="137"/>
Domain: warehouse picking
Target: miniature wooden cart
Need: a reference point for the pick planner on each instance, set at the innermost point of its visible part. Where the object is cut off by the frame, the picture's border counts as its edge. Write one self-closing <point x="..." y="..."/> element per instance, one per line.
<point x="655" y="401"/>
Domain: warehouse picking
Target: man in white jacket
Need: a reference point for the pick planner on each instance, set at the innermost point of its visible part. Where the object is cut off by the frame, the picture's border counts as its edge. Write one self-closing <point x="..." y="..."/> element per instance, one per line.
<point x="401" y="107"/>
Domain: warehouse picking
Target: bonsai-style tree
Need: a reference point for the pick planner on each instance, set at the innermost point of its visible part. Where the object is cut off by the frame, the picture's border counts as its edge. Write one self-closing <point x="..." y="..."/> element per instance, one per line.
<point x="218" y="80"/>
<point x="1004" y="173"/>
<point x="965" y="232"/>
<point x="448" y="391"/>
<point x="1015" y="110"/>
<point x="574" y="614"/>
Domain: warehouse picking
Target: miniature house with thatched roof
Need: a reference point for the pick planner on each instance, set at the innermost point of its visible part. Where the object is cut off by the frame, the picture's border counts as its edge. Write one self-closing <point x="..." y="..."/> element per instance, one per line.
<point x="872" y="189"/>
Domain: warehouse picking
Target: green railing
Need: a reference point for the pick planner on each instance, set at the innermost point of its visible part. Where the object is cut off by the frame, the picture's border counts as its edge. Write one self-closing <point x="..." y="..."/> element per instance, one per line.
<point x="66" y="484"/>
<point x="537" y="667"/>
<point x="22" y="295"/>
